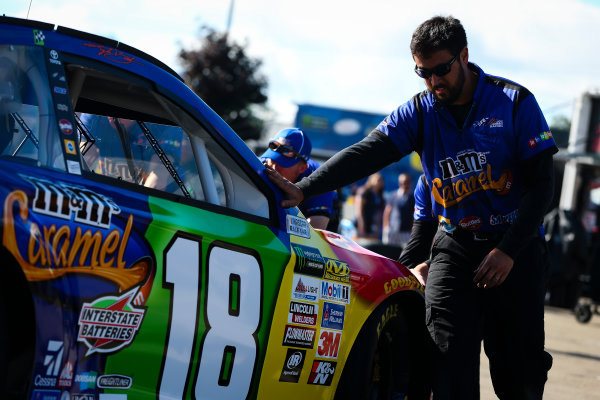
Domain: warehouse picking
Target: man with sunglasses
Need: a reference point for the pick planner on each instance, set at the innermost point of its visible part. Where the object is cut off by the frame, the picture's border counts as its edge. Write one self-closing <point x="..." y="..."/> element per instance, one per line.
<point x="486" y="152"/>
<point x="289" y="155"/>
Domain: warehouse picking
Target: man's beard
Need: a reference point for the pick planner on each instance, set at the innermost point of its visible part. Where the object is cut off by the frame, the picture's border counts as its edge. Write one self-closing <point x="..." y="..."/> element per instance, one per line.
<point x="453" y="91"/>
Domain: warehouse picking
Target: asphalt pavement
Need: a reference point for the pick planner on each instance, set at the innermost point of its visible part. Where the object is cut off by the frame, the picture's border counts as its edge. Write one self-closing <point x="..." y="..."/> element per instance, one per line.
<point x="575" y="348"/>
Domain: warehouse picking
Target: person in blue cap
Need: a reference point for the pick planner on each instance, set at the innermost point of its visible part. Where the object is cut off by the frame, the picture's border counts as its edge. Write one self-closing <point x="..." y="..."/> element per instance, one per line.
<point x="289" y="154"/>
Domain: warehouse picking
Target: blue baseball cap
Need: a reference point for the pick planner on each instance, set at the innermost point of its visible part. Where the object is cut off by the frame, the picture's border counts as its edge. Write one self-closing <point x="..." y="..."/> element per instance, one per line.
<point x="288" y="148"/>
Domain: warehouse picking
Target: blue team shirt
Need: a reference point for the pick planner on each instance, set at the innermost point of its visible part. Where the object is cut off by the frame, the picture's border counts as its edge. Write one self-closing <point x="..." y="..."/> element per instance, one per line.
<point x="472" y="171"/>
<point x="422" y="202"/>
<point x="317" y="205"/>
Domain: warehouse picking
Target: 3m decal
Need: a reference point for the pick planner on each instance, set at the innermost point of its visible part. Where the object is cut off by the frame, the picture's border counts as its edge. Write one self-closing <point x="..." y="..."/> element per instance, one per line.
<point x="335" y="291"/>
<point x="322" y="372"/>
<point x="114" y="381"/>
<point x="109" y="323"/>
<point x="52" y="363"/>
<point x="333" y="316"/>
<point x="329" y="343"/>
<point x="298" y="226"/>
<point x="303" y="313"/>
<point x="308" y="261"/>
<point x="336" y="270"/>
<point x="305" y="288"/>
<point x="292" y="366"/>
<point x="299" y="336"/>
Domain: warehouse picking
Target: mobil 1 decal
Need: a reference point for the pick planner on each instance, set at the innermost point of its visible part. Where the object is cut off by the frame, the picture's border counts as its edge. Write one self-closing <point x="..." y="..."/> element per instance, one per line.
<point x="303" y="313"/>
<point x="335" y="291"/>
<point x="292" y="365"/>
<point x="309" y="261"/>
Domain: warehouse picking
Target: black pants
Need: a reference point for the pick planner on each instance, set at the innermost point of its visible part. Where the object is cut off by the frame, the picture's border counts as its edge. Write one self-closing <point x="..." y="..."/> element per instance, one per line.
<point x="509" y="318"/>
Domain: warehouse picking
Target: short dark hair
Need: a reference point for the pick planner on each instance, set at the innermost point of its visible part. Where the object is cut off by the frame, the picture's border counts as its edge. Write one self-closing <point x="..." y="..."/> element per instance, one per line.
<point x="438" y="33"/>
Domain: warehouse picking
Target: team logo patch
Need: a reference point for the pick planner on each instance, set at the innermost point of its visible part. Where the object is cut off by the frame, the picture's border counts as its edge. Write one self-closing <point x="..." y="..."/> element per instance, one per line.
<point x="322" y="372"/>
<point x="109" y="323"/>
<point x="470" y="223"/>
<point x="292" y="366"/>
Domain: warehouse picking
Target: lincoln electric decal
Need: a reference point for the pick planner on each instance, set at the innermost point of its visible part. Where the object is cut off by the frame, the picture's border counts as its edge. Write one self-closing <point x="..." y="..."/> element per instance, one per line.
<point x="72" y="230"/>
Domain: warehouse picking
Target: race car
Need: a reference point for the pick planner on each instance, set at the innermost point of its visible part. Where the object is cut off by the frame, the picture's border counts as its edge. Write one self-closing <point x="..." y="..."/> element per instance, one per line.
<point x="145" y="254"/>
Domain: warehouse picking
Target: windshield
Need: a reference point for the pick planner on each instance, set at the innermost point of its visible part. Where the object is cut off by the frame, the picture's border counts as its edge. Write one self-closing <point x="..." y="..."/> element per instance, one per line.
<point x="28" y="128"/>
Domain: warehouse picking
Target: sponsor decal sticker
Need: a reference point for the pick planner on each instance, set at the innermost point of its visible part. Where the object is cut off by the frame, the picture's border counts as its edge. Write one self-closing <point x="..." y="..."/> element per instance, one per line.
<point x="333" y="316"/>
<point x="303" y="313"/>
<point x="82" y="396"/>
<point x="305" y="288"/>
<point x="299" y="336"/>
<point x="403" y="282"/>
<point x="65" y="126"/>
<point x="308" y="260"/>
<point x="66" y="375"/>
<point x="292" y="365"/>
<point x="60" y="90"/>
<point x="86" y="380"/>
<point x="322" y="372"/>
<point x="336" y="270"/>
<point x="335" y="292"/>
<point x="52" y="363"/>
<point x="114" y="381"/>
<point x="298" y="226"/>
<point x="70" y="146"/>
<point x="73" y="167"/>
<point x="38" y="37"/>
<point x="329" y="343"/>
<point x="109" y="323"/>
<point x="45" y="395"/>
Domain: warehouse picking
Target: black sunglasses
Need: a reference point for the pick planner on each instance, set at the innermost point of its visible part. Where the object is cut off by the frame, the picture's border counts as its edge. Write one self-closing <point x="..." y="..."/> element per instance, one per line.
<point x="285" y="151"/>
<point x="438" y="70"/>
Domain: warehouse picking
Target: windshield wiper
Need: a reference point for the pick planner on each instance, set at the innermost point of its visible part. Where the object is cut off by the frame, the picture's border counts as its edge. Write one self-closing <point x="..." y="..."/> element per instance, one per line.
<point x="163" y="158"/>
<point x="28" y="133"/>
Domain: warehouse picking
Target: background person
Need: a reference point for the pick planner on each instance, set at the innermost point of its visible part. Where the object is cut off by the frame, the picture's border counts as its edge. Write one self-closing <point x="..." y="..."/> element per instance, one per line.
<point x="398" y="213"/>
<point x="486" y="151"/>
<point x="289" y="155"/>
<point x="368" y="205"/>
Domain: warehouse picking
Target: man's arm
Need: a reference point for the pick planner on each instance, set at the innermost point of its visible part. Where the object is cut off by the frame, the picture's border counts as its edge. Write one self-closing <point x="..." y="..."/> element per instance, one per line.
<point x="538" y="188"/>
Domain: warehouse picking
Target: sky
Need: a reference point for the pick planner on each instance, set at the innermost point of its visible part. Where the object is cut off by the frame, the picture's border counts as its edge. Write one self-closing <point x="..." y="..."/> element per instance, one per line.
<point x="355" y="54"/>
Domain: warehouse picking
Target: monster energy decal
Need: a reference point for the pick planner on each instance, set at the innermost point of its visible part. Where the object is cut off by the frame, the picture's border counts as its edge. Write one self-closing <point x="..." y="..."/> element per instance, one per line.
<point x="308" y="261"/>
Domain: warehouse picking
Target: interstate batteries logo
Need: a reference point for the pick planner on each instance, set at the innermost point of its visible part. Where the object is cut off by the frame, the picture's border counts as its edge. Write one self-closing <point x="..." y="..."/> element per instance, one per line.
<point x="109" y="323"/>
<point x="309" y="261"/>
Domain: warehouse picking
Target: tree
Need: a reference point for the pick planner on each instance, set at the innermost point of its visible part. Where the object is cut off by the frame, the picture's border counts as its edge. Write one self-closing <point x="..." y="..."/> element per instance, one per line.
<point x="228" y="80"/>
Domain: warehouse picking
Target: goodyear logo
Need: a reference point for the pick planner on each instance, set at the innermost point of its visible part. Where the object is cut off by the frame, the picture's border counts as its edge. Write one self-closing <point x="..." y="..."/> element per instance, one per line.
<point x="337" y="270"/>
